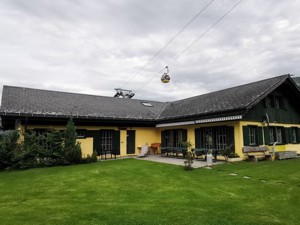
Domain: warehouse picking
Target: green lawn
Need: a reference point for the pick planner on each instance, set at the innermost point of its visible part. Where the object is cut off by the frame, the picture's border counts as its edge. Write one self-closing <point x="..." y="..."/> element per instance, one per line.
<point x="132" y="192"/>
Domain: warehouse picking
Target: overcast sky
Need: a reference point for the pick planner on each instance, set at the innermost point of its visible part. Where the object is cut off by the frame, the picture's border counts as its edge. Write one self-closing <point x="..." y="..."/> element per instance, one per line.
<point x="94" y="46"/>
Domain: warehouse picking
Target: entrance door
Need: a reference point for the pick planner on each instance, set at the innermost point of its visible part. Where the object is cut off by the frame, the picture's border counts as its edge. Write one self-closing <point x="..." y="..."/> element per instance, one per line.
<point x="131" y="142"/>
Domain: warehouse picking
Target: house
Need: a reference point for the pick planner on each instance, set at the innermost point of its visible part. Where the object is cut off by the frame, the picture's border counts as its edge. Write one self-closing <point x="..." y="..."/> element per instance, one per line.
<point x="258" y="113"/>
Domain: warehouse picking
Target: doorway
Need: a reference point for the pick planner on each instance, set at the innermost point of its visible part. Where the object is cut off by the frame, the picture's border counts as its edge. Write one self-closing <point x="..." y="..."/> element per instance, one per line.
<point x="130" y="141"/>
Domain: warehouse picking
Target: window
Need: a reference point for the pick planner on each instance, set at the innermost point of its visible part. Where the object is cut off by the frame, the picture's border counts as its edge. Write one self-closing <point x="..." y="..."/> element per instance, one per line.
<point x="81" y="133"/>
<point x="277" y="102"/>
<point x="106" y="139"/>
<point x="294" y="135"/>
<point x="268" y="102"/>
<point x="174" y="138"/>
<point x="276" y="135"/>
<point x="252" y="136"/>
<point x="272" y="101"/>
<point x="208" y="139"/>
<point x="220" y="138"/>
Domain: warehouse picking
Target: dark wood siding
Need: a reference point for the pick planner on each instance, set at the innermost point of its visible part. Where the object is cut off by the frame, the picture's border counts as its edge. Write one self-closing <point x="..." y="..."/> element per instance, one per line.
<point x="289" y="111"/>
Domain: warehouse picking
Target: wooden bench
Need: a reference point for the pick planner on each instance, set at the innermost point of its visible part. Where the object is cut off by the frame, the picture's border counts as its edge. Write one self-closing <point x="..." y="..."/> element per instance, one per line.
<point x="254" y="153"/>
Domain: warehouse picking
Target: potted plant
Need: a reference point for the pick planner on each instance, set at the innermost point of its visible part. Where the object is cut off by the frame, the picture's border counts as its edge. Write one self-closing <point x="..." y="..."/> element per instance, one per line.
<point x="230" y="155"/>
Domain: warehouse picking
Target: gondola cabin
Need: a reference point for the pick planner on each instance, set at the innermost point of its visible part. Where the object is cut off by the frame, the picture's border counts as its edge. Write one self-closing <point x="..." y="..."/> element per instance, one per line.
<point x="165" y="78"/>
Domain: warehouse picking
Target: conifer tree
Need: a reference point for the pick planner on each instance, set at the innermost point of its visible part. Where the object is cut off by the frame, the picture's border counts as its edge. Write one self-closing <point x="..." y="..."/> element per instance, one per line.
<point x="71" y="148"/>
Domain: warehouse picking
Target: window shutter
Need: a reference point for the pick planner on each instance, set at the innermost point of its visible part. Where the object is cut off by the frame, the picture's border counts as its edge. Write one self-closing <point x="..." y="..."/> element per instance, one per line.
<point x="289" y="134"/>
<point x="96" y="140"/>
<point x="267" y="135"/>
<point x="197" y="138"/>
<point x="116" y="142"/>
<point x="163" y="138"/>
<point x="259" y="136"/>
<point x="298" y="135"/>
<point x="246" y="135"/>
<point x="202" y="138"/>
<point x="230" y="136"/>
<point x="285" y="137"/>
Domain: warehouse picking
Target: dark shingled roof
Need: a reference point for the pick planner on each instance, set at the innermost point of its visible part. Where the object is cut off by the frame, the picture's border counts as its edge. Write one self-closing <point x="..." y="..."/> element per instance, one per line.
<point x="52" y="103"/>
<point x="42" y="102"/>
<point x="240" y="98"/>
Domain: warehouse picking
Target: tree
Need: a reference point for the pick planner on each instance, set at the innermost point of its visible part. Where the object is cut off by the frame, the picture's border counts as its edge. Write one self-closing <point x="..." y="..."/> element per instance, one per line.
<point x="72" y="149"/>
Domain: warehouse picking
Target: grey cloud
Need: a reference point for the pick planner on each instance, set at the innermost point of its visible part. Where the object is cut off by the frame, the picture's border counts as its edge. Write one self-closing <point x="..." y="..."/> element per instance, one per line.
<point x="94" y="46"/>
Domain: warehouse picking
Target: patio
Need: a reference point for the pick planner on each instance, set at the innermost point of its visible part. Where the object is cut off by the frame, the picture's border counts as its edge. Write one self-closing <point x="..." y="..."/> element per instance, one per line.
<point x="176" y="161"/>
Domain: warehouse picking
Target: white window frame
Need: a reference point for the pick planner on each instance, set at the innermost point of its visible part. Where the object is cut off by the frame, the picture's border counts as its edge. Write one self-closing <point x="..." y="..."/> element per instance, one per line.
<point x="252" y="136"/>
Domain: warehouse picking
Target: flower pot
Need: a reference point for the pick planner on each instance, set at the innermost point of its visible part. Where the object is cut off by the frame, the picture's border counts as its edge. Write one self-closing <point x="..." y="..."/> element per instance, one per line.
<point x="234" y="159"/>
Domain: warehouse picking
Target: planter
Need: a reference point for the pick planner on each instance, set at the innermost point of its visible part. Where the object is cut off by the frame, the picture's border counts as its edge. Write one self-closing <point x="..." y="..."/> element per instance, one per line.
<point x="234" y="159"/>
<point x="209" y="159"/>
<point x="286" y="155"/>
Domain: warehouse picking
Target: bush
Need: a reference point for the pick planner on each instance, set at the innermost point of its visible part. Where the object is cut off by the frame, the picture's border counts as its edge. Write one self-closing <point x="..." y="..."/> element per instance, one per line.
<point x="229" y="152"/>
<point x="90" y="158"/>
<point x="8" y="146"/>
<point x="41" y="149"/>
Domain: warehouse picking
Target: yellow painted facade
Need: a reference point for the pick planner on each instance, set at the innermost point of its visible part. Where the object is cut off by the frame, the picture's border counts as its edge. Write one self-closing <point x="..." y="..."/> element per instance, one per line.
<point x="145" y="135"/>
<point x="86" y="146"/>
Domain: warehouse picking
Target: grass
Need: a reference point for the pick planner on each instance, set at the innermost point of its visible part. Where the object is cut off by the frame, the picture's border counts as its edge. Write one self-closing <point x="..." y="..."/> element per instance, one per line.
<point x="133" y="192"/>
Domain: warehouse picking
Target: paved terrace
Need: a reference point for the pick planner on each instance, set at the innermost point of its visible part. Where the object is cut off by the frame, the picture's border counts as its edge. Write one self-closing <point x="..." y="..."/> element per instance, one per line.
<point x="176" y="161"/>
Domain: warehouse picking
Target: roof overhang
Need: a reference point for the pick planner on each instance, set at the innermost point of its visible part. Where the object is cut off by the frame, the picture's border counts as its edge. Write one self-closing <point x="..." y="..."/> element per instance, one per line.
<point x="208" y="120"/>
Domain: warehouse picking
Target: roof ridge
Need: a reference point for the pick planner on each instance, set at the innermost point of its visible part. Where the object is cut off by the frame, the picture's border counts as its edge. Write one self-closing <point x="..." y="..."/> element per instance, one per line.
<point x="238" y="86"/>
<point x="73" y="93"/>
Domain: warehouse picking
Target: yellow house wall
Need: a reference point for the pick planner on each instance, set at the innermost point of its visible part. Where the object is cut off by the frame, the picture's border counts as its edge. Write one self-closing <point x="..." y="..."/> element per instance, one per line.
<point x="150" y="135"/>
<point x="292" y="147"/>
<point x="143" y="136"/>
<point x="146" y="136"/>
<point x="86" y="146"/>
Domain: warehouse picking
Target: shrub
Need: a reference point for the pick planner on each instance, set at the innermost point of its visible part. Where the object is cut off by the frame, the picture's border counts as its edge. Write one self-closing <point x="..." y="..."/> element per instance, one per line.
<point x="8" y="146"/>
<point x="189" y="160"/>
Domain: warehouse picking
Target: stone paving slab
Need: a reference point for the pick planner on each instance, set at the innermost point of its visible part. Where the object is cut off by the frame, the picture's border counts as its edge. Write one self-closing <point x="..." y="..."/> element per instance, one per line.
<point x="175" y="161"/>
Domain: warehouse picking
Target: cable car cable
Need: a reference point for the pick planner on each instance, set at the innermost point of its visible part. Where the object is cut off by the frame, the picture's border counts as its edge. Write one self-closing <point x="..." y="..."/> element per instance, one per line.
<point x="172" y="39"/>
<point x="194" y="42"/>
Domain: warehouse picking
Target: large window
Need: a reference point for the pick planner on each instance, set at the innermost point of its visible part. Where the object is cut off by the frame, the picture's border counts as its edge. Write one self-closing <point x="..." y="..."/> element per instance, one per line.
<point x="174" y="138"/>
<point x="214" y="137"/>
<point x="106" y="139"/>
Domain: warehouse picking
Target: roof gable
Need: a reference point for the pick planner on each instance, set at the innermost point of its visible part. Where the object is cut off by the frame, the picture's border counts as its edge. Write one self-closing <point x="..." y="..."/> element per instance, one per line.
<point x="239" y="98"/>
